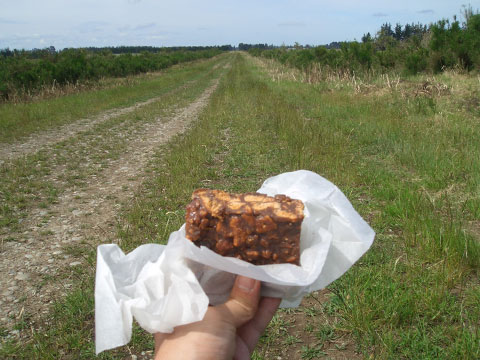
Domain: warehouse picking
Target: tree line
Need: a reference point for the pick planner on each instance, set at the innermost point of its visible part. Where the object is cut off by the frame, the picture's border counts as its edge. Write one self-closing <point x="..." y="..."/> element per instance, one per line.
<point x="40" y="53"/>
<point x="410" y="49"/>
<point x="28" y="71"/>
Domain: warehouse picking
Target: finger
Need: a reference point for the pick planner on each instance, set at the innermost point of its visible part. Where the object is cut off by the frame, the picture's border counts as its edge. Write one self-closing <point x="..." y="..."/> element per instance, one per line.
<point x="252" y="330"/>
<point x="243" y="302"/>
<point x="242" y="352"/>
<point x="158" y="338"/>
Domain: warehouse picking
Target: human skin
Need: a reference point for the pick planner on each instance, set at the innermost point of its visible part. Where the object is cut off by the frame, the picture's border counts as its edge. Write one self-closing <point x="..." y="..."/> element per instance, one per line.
<point x="228" y="331"/>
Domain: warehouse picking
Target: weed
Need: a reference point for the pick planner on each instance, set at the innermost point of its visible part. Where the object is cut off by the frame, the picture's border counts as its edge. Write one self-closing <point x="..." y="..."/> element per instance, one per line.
<point x="309" y="328"/>
<point x="310" y="311"/>
<point x="325" y="333"/>
<point x="290" y="340"/>
<point x="312" y="352"/>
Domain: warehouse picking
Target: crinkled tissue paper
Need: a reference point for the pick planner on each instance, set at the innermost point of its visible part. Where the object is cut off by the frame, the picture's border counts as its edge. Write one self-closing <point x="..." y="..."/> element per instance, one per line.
<point x="163" y="286"/>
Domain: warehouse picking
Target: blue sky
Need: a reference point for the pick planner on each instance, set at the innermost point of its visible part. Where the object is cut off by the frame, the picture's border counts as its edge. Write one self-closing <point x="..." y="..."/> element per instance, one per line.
<point x="75" y="23"/>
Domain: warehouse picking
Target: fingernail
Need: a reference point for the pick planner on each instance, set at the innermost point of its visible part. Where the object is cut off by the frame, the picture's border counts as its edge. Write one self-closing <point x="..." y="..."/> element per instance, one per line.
<point x="245" y="283"/>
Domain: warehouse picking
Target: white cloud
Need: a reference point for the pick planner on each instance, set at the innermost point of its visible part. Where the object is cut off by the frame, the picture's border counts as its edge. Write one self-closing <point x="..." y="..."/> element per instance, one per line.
<point x="4" y="21"/>
<point x="144" y="26"/>
<point x="426" y="11"/>
<point x="157" y="37"/>
<point x="124" y="28"/>
<point x="91" y="26"/>
<point x="292" y="24"/>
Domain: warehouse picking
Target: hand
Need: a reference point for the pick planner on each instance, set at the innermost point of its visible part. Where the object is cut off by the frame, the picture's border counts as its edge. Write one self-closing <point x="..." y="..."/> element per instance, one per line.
<point x="227" y="331"/>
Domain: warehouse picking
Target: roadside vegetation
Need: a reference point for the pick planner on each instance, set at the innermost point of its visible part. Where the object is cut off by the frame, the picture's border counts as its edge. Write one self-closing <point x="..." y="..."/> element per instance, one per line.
<point x="406" y="157"/>
<point x="402" y="50"/>
<point x="24" y="74"/>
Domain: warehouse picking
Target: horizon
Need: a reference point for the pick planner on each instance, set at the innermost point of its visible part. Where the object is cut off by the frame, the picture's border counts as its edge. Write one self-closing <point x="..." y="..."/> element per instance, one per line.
<point x="27" y="25"/>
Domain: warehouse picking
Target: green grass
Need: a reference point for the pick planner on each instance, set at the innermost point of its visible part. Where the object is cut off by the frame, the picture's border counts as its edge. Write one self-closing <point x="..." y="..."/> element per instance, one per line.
<point x="375" y="151"/>
<point x="410" y="167"/>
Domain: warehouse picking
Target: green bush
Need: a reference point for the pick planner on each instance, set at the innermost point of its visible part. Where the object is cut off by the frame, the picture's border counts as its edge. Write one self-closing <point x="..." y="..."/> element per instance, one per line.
<point x="416" y="62"/>
<point x="19" y="72"/>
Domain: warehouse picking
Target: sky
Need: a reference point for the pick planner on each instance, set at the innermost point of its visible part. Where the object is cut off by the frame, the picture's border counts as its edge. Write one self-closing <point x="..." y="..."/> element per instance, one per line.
<point x="27" y="24"/>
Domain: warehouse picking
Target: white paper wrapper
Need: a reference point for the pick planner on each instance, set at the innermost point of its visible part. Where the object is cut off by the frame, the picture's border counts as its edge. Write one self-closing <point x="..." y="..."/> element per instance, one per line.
<point x="166" y="286"/>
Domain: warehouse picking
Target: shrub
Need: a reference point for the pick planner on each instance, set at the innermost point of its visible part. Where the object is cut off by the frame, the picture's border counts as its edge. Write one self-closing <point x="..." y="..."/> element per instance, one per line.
<point x="21" y="71"/>
<point x="416" y="62"/>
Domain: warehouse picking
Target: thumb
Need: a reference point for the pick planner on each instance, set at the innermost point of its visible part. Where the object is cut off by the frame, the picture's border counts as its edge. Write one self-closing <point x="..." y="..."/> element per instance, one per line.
<point x="243" y="301"/>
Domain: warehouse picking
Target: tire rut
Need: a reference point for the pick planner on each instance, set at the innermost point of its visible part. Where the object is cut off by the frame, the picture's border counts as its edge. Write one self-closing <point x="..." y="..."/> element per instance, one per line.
<point x="38" y="267"/>
<point x="37" y="141"/>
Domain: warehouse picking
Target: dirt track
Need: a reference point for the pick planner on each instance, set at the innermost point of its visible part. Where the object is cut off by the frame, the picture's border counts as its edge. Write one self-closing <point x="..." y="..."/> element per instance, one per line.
<point x="36" y="266"/>
<point x="40" y="140"/>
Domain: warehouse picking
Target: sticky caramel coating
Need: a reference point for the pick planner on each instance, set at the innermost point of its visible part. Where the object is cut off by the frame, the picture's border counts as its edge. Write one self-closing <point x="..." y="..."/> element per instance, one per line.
<point x="253" y="227"/>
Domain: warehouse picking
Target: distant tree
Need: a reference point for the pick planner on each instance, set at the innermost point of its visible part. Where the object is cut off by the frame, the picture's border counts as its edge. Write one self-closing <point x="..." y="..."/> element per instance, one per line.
<point x="320" y="53"/>
<point x="366" y="37"/>
<point x="334" y="45"/>
<point x="246" y="47"/>
<point x="398" y="35"/>
<point x="456" y="45"/>
<point x="411" y="48"/>
<point x="226" y="47"/>
<point x="467" y="13"/>
<point x="408" y="31"/>
<point x="386" y="30"/>
<point x="6" y="52"/>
